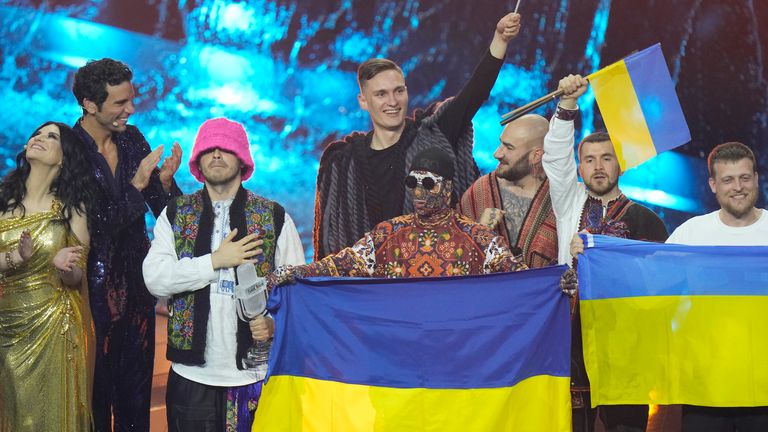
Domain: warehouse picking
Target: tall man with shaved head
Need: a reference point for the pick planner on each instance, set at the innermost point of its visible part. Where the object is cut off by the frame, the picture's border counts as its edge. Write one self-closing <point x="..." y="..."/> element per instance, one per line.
<point x="514" y="198"/>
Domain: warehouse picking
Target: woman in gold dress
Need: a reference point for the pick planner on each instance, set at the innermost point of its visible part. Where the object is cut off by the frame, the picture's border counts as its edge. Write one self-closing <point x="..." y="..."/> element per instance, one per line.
<point x="46" y="334"/>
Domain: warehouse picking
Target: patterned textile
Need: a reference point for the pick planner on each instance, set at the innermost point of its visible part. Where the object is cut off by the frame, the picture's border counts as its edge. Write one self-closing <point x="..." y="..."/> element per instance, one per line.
<point x="121" y="305"/>
<point x="448" y="244"/>
<point x="191" y="221"/>
<point x="117" y="227"/>
<point x="605" y="220"/>
<point x="537" y="237"/>
<point x="241" y="405"/>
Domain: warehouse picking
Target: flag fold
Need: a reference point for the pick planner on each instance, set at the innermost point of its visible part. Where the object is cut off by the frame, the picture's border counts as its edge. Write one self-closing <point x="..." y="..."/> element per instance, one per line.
<point x="674" y="324"/>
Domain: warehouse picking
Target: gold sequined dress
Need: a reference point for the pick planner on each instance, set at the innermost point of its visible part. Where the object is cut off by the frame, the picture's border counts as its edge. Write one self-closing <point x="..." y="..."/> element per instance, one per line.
<point x="46" y="333"/>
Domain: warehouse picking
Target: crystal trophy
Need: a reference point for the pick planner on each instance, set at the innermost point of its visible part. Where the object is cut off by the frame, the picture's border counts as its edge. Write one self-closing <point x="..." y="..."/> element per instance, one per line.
<point x="251" y="293"/>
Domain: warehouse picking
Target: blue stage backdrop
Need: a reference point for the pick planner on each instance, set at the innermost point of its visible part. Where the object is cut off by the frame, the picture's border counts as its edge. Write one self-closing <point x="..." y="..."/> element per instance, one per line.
<point x="286" y="69"/>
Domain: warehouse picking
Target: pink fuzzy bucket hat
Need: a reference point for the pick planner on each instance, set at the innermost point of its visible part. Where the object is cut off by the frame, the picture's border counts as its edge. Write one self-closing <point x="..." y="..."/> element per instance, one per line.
<point x="222" y="134"/>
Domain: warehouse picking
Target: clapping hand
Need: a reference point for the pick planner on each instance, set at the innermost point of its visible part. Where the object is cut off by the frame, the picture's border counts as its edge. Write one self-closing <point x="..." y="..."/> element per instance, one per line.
<point x="25" y="246"/>
<point x="67" y="258"/>
<point x="169" y="167"/>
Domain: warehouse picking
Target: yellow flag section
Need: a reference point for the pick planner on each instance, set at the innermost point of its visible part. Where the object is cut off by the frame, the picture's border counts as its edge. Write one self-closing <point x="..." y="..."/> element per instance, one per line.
<point x="478" y="353"/>
<point x="697" y="350"/>
<point x="617" y="99"/>
<point x="673" y="324"/>
<point x="639" y="106"/>
<point x="306" y="404"/>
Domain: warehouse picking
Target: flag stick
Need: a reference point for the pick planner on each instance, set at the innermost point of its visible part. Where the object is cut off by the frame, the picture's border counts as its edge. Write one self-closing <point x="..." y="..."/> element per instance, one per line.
<point x="517" y="5"/>
<point x="530" y="106"/>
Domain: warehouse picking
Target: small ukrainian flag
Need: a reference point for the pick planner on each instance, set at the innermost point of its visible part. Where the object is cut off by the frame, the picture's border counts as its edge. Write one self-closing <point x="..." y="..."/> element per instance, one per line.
<point x="640" y="108"/>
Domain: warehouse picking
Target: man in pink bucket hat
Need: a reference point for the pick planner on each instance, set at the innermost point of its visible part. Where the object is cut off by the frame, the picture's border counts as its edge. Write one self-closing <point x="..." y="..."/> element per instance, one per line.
<point x="200" y="239"/>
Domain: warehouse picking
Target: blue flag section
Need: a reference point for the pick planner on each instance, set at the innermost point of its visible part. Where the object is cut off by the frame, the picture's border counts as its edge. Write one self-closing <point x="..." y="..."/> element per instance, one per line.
<point x="476" y="350"/>
<point x="615" y="268"/>
<point x="674" y="324"/>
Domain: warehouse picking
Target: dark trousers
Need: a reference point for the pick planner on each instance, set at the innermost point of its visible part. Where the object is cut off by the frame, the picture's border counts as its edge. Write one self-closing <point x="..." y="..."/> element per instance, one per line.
<point x="615" y="418"/>
<point x="624" y="418"/>
<point x="194" y="407"/>
<point x="122" y="385"/>
<point x="713" y="419"/>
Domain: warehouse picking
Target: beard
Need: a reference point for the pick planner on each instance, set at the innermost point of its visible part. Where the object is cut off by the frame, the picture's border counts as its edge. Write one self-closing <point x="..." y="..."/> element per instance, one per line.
<point x="738" y="210"/>
<point x="600" y="189"/>
<point x="516" y="172"/>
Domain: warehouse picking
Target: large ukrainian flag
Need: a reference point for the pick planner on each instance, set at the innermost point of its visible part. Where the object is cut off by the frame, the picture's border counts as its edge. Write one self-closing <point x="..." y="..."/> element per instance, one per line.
<point x="674" y="324"/>
<point x="480" y="353"/>
<point x="639" y="106"/>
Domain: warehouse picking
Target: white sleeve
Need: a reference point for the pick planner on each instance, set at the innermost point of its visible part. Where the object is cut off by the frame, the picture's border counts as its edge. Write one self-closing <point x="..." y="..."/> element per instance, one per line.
<point x="289" y="250"/>
<point x="679" y="235"/>
<point x="559" y="164"/>
<point x="165" y="274"/>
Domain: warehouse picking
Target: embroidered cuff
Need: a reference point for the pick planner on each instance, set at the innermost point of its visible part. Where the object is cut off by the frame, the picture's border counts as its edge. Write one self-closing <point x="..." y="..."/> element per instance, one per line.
<point x="566" y="114"/>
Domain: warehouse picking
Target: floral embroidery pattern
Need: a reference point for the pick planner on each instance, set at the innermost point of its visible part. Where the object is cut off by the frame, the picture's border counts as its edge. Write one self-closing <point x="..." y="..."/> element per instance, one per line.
<point x="189" y="209"/>
<point x="404" y="248"/>
<point x="427" y="240"/>
<point x="425" y="265"/>
<point x="181" y="318"/>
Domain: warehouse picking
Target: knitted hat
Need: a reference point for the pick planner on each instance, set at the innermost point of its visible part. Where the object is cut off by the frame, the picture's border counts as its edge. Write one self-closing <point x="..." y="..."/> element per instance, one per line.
<point x="225" y="135"/>
<point x="436" y="161"/>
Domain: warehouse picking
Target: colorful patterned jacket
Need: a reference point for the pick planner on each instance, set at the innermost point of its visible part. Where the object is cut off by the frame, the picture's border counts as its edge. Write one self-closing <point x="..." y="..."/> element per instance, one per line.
<point x="449" y="244"/>
<point x="191" y="218"/>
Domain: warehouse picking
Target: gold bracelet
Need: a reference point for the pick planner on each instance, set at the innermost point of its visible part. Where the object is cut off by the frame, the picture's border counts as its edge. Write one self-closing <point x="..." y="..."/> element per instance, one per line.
<point x="9" y="261"/>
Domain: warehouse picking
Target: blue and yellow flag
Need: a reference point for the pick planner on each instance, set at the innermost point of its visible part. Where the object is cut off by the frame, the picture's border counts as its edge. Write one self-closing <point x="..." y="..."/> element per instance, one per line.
<point x="477" y="353"/>
<point x="639" y="106"/>
<point x="674" y="324"/>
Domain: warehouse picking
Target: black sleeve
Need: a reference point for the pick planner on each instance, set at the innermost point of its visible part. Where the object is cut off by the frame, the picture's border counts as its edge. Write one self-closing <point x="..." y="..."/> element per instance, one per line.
<point x="278" y="215"/>
<point x="649" y="227"/>
<point x="475" y="92"/>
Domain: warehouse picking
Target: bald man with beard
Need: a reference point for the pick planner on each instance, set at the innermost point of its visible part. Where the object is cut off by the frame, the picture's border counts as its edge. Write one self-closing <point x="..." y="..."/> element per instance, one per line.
<point x="514" y="199"/>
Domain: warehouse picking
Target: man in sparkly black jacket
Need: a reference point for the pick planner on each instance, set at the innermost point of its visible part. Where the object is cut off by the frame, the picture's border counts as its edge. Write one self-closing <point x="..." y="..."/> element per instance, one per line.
<point x="128" y="180"/>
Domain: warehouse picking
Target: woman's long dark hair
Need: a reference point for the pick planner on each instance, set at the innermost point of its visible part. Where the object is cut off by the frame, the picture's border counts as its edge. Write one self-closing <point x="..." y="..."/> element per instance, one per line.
<point x="74" y="186"/>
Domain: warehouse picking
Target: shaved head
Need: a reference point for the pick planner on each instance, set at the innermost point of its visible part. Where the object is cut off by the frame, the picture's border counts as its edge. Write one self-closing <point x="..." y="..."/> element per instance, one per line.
<point x="521" y="147"/>
<point x="529" y="131"/>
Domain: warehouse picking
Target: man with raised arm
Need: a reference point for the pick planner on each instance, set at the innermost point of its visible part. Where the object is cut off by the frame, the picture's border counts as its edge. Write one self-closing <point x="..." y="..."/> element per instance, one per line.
<point x="359" y="183"/>
<point x="597" y="206"/>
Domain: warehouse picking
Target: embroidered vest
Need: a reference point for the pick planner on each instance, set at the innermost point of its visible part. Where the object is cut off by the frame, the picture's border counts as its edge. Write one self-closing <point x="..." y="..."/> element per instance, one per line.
<point x="191" y="218"/>
<point x="609" y="221"/>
